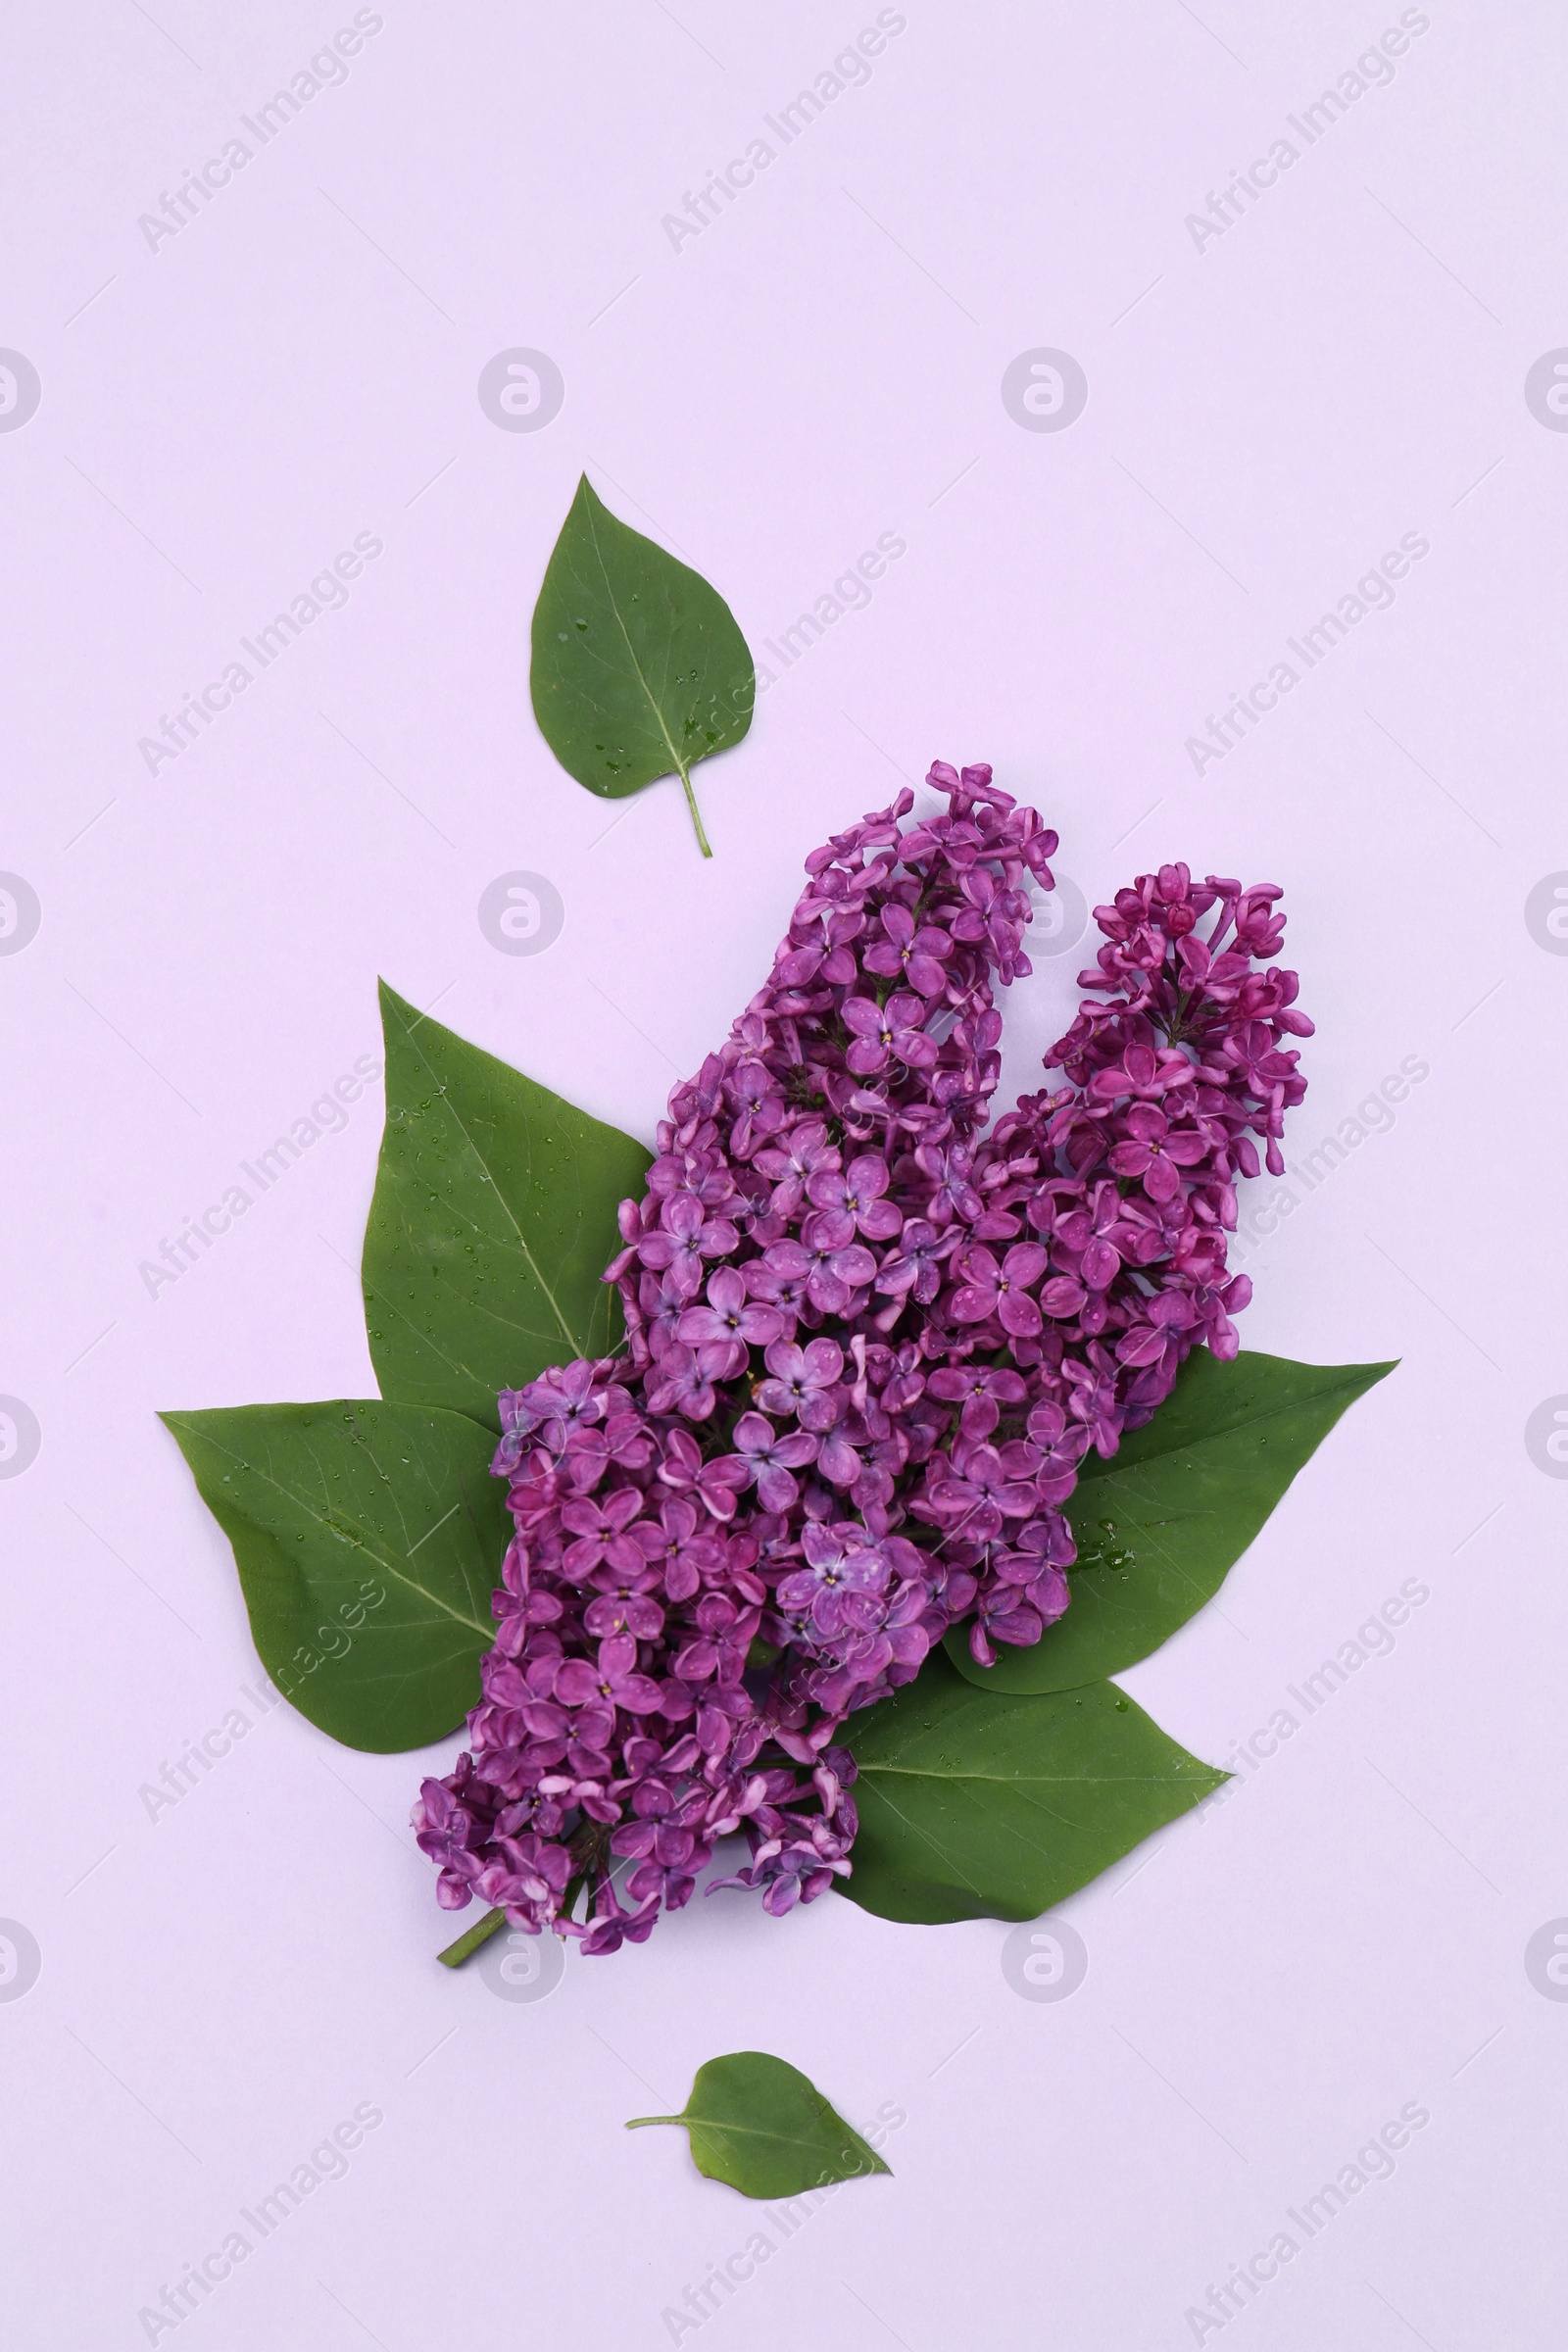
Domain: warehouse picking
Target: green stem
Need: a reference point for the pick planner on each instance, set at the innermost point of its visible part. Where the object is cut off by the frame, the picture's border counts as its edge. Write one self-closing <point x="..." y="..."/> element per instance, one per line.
<point x="697" y="819"/>
<point x="638" y="2121"/>
<point x="466" y="1945"/>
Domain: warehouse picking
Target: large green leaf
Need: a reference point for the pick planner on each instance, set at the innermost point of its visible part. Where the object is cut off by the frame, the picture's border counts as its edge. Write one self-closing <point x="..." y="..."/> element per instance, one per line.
<point x="1160" y="1523"/>
<point x="982" y="1806"/>
<point x="764" y="2126"/>
<point x="492" y="1222"/>
<point x="639" y="668"/>
<point x="369" y="1540"/>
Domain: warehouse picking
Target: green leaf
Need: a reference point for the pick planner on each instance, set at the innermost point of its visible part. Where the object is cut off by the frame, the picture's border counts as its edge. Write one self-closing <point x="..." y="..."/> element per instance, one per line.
<point x="974" y="1806"/>
<point x="491" y="1225"/>
<point x="1160" y="1525"/>
<point x="639" y="668"/>
<point x="765" y="2128"/>
<point x="369" y="1540"/>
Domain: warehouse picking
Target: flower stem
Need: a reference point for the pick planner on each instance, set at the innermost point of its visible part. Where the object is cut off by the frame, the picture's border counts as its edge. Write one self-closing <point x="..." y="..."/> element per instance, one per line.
<point x="466" y="1945"/>
<point x="697" y="819"/>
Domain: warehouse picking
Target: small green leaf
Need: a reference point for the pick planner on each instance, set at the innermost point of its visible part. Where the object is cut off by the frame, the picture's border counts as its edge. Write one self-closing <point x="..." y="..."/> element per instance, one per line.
<point x="974" y="1806"/>
<point x="369" y="1540"/>
<point x="1160" y="1525"/>
<point x="639" y="668"/>
<point x="491" y="1225"/>
<point x="765" y="2128"/>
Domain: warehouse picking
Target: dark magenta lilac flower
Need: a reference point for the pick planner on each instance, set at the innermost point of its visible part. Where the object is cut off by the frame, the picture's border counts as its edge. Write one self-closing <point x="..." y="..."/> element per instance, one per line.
<point x="867" y="1346"/>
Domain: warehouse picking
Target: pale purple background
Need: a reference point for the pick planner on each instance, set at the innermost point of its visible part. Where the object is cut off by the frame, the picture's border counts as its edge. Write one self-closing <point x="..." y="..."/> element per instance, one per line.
<point x="1268" y="1983"/>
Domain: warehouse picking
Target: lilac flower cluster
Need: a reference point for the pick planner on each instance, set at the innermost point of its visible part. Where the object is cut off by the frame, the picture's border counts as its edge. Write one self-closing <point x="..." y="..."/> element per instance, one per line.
<point x="851" y="1323"/>
<point x="1127" y="1174"/>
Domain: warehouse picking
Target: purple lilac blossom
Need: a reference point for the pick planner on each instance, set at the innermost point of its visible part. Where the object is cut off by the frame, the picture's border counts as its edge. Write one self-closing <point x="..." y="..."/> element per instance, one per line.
<point x="867" y="1349"/>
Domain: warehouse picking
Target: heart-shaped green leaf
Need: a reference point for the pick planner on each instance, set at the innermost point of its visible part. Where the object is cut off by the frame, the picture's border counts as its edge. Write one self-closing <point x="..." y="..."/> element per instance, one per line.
<point x="369" y="1540"/>
<point x="639" y="668"/>
<point x="1161" y="1521"/>
<point x="765" y="2128"/>
<point x="974" y="1806"/>
<point x="491" y="1225"/>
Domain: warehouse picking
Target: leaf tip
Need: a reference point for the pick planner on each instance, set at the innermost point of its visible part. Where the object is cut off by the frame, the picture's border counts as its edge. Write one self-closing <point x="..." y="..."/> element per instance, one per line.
<point x="854" y="2167"/>
<point x="390" y="1001"/>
